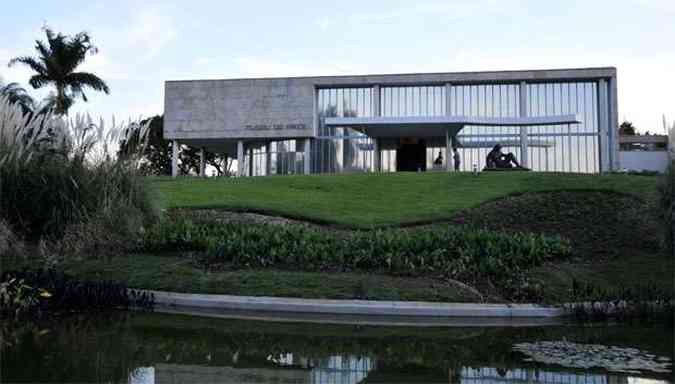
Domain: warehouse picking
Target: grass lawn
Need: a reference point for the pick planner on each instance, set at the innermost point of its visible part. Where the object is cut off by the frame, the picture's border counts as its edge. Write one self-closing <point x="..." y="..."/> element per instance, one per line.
<point x="178" y="274"/>
<point x="367" y="200"/>
<point x="628" y="270"/>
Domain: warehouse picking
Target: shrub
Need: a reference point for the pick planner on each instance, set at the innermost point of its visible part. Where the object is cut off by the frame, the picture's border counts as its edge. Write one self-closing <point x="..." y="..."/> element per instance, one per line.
<point x="10" y="244"/>
<point x="33" y="292"/>
<point x="641" y="302"/>
<point x="666" y="188"/>
<point x="56" y="174"/>
<point x="449" y="251"/>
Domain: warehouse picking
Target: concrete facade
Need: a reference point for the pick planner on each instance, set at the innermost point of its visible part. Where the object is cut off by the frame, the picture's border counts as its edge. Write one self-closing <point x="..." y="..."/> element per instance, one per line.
<point x="656" y="161"/>
<point x="232" y="115"/>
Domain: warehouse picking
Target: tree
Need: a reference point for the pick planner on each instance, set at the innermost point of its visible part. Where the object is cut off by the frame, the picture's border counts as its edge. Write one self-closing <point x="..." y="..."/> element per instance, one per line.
<point x="15" y="94"/>
<point x="222" y="164"/>
<point x="55" y="65"/>
<point x="626" y="129"/>
<point x="158" y="153"/>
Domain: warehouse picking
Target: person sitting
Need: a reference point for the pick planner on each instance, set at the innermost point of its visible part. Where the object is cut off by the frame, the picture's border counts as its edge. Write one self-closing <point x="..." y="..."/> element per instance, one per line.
<point x="439" y="159"/>
<point x="497" y="159"/>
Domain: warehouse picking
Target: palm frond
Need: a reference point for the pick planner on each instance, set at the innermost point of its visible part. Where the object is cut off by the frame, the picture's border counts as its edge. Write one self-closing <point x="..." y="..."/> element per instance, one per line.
<point x="82" y="80"/>
<point x="31" y="62"/>
<point x="39" y="81"/>
<point x="42" y="49"/>
<point x="78" y="90"/>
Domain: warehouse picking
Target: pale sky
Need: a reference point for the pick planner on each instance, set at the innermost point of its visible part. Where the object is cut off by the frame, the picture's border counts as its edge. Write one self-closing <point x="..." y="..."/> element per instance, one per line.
<point x="144" y="43"/>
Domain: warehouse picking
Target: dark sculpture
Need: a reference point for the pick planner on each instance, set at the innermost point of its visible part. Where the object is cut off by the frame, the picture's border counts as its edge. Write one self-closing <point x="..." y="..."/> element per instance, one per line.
<point x="496" y="159"/>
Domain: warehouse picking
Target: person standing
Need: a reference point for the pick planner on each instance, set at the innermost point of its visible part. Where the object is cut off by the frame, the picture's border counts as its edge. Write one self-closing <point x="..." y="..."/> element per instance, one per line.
<point x="455" y="158"/>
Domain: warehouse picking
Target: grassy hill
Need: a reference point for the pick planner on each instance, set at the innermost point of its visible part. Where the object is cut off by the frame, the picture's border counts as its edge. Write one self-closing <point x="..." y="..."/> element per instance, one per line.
<point x="366" y="200"/>
<point x="608" y="219"/>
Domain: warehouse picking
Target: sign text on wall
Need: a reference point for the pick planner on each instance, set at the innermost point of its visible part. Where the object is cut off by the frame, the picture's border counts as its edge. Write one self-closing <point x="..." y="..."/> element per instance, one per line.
<point x="274" y="127"/>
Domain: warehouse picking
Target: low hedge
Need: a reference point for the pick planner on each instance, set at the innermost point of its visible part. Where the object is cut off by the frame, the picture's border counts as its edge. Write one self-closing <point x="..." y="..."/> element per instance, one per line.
<point x="33" y="292"/>
<point x="449" y="251"/>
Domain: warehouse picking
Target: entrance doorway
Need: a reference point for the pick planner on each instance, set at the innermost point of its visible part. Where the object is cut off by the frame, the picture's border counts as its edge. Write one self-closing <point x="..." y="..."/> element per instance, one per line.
<point x="411" y="155"/>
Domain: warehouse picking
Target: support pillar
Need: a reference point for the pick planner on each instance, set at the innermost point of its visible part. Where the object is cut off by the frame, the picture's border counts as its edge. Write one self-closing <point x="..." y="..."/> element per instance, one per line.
<point x="377" y="155"/>
<point x="202" y="163"/>
<point x="603" y="117"/>
<point x="307" y="147"/>
<point x="174" y="158"/>
<point x="613" y="125"/>
<point x="240" y="158"/>
<point x="524" y="155"/>
<point x="448" y="151"/>
<point x="250" y="161"/>
<point x="377" y="111"/>
<point x="268" y="158"/>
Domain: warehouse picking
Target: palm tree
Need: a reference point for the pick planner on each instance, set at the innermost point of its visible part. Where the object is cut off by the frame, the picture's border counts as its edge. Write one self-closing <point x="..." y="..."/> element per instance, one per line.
<point x="55" y="65"/>
<point x="17" y="95"/>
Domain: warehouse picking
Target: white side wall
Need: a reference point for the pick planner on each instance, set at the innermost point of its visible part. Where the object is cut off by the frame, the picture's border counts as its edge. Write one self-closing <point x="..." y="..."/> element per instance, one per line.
<point x="643" y="160"/>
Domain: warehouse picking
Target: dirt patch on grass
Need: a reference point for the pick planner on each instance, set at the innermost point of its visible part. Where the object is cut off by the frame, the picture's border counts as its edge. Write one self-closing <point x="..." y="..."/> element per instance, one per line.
<point x="599" y="224"/>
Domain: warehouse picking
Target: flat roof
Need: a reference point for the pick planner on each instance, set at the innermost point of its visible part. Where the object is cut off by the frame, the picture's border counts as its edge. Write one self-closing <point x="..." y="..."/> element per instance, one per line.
<point x="436" y="126"/>
<point x="504" y="75"/>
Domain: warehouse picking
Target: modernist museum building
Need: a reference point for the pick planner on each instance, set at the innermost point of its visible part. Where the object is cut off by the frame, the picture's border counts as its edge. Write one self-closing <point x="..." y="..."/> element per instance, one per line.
<point x="561" y="120"/>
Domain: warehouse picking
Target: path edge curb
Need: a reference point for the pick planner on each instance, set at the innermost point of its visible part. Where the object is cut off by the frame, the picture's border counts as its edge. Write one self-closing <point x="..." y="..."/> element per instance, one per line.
<point x="355" y="307"/>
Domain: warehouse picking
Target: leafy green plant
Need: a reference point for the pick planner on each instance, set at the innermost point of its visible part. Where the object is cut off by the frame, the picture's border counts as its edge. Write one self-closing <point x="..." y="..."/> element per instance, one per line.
<point x="33" y="292"/>
<point x="17" y="297"/>
<point x="459" y="253"/>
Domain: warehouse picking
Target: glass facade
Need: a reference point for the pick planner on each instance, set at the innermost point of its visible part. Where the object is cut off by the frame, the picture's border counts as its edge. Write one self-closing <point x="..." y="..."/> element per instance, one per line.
<point x="573" y="147"/>
<point x="278" y="158"/>
<point x="341" y="149"/>
<point x="413" y="101"/>
<point x="554" y="148"/>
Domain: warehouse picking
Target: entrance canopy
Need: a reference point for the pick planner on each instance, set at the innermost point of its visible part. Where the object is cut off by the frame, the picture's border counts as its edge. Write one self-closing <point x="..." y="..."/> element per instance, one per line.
<point x="437" y="126"/>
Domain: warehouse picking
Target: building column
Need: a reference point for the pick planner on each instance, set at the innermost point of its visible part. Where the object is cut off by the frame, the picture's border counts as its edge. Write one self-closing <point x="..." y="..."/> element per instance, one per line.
<point x="202" y="163"/>
<point x="377" y="111"/>
<point x="448" y="151"/>
<point x="524" y="155"/>
<point x="376" y="101"/>
<point x="613" y="125"/>
<point x="377" y="157"/>
<point x="448" y="101"/>
<point x="174" y="158"/>
<point x="307" y="150"/>
<point x="268" y="158"/>
<point x="603" y="117"/>
<point x="240" y="158"/>
<point x="250" y="161"/>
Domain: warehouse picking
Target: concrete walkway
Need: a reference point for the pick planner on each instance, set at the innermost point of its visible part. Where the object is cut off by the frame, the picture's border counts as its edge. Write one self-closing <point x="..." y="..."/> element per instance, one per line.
<point x="354" y="307"/>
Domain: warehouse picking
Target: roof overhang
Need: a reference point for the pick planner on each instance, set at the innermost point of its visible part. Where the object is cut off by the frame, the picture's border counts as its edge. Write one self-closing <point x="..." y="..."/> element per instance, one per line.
<point x="437" y="126"/>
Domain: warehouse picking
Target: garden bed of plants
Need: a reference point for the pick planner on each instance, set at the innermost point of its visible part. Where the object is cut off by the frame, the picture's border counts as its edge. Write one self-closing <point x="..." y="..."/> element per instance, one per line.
<point x="465" y="254"/>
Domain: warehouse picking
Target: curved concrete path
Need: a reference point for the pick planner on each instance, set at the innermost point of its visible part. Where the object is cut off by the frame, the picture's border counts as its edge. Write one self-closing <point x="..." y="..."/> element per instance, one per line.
<point x="355" y="307"/>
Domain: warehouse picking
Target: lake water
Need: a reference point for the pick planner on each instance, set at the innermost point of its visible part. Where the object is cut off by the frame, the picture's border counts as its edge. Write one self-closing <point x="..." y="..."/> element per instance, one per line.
<point x="135" y="348"/>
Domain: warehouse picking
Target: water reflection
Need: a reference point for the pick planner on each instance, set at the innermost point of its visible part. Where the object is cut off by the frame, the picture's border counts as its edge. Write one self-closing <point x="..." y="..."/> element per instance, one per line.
<point x="353" y="370"/>
<point x="143" y="348"/>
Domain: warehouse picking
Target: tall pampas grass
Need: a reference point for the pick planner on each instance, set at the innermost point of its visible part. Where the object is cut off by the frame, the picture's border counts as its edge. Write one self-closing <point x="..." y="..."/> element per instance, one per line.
<point x="62" y="173"/>
<point x="671" y="140"/>
<point x="666" y="189"/>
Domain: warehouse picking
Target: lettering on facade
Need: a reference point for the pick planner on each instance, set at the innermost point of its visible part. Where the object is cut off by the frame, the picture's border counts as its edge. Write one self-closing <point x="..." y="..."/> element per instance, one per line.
<point x="274" y="127"/>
